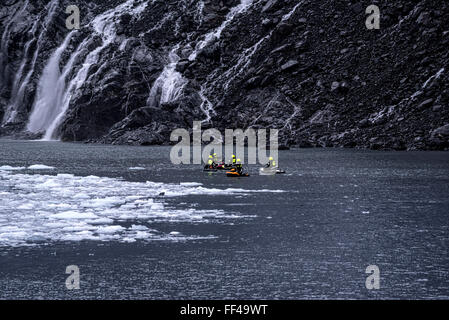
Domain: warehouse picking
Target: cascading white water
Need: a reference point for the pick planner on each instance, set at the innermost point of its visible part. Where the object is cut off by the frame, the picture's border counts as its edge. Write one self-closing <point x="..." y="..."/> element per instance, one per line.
<point x="199" y="12"/>
<point x="11" y="110"/>
<point x="289" y="15"/>
<point x="51" y="105"/>
<point x="56" y="89"/>
<point x="243" y="62"/>
<point x="49" y="92"/>
<point x="206" y="106"/>
<point x="20" y="82"/>
<point x="170" y="83"/>
<point x="244" y="59"/>
<point x="246" y="56"/>
<point x="4" y="43"/>
<point x="216" y="34"/>
<point x="75" y="84"/>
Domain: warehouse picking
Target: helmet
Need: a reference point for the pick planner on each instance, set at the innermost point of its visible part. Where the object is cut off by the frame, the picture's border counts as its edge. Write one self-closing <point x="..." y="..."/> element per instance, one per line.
<point x="210" y="157"/>
<point x="271" y="159"/>
<point x="238" y="160"/>
<point x="215" y="154"/>
<point x="233" y="155"/>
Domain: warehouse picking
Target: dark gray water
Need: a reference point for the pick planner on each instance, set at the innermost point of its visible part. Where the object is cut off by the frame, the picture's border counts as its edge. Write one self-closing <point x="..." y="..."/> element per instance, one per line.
<point x="307" y="235"/>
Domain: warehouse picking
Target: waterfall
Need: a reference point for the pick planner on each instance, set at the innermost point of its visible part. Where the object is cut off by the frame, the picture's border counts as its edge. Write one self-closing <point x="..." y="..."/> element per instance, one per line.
<point x="245" y="58"/>
<point x="49" y="91"/>
<point x="169" y="85"/>
<point x="289" y="15"/>
<point x="206" y="106"/>
<point x="75" y="84"/>
<point x="242" y="7"/>
<point x="432" y="78"/>
<point x="243" y="62"/>
<point x="54" y="94"/>
<point x="11" y="110"/>
<point x="199" y="12"/>
<point x="5" y="42"/>
<point x="20" y="83"/>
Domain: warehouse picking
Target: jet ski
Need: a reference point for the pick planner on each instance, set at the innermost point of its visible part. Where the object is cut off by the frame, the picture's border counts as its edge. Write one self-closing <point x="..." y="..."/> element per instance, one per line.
<point x="270" y="171"/>
<point x="224" y="166"/>
<point x="209" y="169"/>
<point x="235" y="174"/>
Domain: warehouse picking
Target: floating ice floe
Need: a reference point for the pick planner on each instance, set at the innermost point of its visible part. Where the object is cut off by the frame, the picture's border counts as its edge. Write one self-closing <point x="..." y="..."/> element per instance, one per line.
<point x="190" y="184"/>
<point x="9" y="168"/>
<point x="40" y="167"/>
<point x="36" y="208"/>
<point x="136" y="168"/>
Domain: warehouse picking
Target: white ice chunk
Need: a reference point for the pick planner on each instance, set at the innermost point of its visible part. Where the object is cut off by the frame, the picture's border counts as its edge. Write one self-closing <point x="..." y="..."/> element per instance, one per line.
<point x="74" y="215"/>
<point x="190" y="184"/>
<point x="40" y="167"/>
<point x="9" y="168"/>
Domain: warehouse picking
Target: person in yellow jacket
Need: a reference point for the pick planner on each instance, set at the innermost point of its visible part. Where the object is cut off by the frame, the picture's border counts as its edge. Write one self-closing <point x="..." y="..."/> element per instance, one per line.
<point x="233" y="160"/>
<point x="238" y="166"/>
<point x="271" y="163"/>
<point x="210" y="163"/>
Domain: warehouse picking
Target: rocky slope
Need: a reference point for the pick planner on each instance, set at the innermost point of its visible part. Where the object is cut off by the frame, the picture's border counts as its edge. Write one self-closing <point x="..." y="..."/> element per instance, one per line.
<point x="138" y="69"/>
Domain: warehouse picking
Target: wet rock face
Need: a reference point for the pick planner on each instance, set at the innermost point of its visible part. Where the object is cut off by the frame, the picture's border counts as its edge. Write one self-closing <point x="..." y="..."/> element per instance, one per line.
<point x="311" y="69"/>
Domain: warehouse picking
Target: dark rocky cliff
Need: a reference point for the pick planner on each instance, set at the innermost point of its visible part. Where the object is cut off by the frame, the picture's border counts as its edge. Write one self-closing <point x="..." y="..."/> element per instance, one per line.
<point x="309" y="68"/>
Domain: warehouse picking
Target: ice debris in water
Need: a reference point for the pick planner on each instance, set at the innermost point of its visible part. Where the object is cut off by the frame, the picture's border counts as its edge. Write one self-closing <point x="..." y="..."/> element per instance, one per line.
<point x="9" y="168"/>
<point x="40" y="167"/>
<point x="36" y="208"/>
